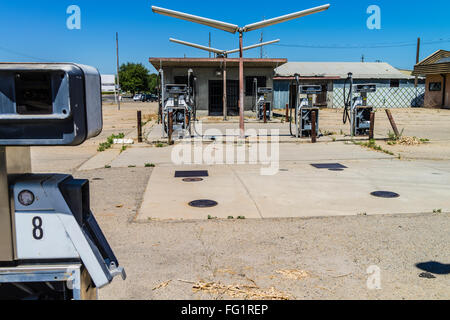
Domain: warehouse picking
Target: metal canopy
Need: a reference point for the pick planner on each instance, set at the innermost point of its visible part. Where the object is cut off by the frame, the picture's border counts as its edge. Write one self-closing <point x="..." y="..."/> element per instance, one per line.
<point x="222" y="52"/>
<point x="232" y="28"/>
<point x="291" y="16"/>
<point x="198" y="46"/>
<point x="253" y="46"/>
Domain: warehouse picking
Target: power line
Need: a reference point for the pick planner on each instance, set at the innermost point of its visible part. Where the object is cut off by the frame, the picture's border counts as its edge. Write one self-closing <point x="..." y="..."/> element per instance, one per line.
<point x="24" y="55"/>
<point x="372" y="46"/>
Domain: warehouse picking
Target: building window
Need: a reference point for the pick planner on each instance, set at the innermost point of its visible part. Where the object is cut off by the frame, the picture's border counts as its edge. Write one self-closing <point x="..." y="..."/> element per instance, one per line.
<point x="395" y="83"/>
<point x="249" y="87"/>
<point x="435" y="86"/>
<point x="181" y="80"/>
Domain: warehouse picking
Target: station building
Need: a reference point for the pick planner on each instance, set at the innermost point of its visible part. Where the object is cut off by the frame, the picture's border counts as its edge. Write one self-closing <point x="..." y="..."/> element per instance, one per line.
<point x="210" y="79"/>
<point x="436" y="69"/>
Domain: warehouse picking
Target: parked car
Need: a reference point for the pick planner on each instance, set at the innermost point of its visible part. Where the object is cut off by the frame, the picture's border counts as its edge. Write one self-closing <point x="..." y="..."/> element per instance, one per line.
<point x="149" y="98"/>
<point x="137" y="97"/>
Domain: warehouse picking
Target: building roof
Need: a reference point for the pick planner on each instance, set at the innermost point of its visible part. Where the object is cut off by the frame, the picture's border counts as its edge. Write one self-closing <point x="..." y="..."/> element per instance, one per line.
<point x="437" y="63"/>
<point x="340" y="70"/>
<point x="214" y="62"/>
<point x="405" y="71"/>
<point x="444" y="60"/>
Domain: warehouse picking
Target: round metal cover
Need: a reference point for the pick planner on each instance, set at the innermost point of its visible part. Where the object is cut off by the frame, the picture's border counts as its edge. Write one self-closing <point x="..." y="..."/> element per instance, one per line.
<point x="26" y="198"/>
<point x="385" y="194"/>
<point x="192" y="179"/>
<point x="203" y="203"/>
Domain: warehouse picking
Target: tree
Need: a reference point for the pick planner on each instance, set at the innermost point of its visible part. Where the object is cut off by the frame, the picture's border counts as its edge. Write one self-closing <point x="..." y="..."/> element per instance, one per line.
<point x="134" y="77"/>
<point x="153" y="83"/>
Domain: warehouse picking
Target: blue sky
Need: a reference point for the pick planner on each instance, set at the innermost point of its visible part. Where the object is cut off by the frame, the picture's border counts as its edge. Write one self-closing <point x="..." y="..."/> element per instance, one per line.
<point x="36" y="30"/>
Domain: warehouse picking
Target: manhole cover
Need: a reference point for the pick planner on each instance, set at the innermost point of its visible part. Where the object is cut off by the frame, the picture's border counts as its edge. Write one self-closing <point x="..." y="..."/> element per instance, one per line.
<point x="385" y="194"/>
<point x="192" y="179"/>
<point x="203" y="203"/>
<point x="191" y="174"/>
<point x="329" y="166"/>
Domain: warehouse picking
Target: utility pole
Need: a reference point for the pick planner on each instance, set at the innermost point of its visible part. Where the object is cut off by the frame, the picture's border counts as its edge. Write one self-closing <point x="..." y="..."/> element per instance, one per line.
<point x="118" y="67"/>
<point x="210" y="44"/>
<point x="261" y="41"/>
<point x="416" y="82"/>
<point x="241" y="85"/>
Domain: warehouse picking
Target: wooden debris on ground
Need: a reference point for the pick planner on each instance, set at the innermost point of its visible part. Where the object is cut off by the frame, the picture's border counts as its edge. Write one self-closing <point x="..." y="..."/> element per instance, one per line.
<point x="294" y="274"/>
<point x="162" y="285"/>
<point x="409" y="141"/>
<point x="247" y="292"/>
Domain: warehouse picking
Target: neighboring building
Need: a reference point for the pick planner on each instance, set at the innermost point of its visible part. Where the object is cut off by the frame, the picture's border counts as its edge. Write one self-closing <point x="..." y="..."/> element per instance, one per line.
<point x="395" y="89"/>
<point x="436" y="68"/>
<point x="209" y="74"/>
<point x="406" y="72"/>
<point x="108" y="83"/>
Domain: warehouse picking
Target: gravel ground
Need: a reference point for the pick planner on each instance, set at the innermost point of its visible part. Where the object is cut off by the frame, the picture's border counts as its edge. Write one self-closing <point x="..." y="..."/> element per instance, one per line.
<point x="333" y="254"/>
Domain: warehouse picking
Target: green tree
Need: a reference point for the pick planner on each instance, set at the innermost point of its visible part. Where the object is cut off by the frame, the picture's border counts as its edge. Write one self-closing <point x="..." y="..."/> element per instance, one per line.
<point x="134" y="77"/>
<point x="153" y="83"/>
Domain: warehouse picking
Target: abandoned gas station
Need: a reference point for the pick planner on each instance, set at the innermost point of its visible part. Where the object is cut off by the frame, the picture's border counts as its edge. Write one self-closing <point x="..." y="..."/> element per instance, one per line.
<point x="395" y="89"/>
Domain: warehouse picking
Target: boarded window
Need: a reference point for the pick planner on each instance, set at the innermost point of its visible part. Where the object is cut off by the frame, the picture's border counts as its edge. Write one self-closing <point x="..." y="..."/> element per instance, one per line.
<point x="435" y="86"/>
<point x="395" y="83"/>
<point x="249" y="86"/>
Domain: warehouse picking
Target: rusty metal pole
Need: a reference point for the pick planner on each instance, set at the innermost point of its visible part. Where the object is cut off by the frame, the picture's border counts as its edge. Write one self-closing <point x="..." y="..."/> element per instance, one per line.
<point x="416" y="82"/>
<point x="393" y="124"/>
<point x="313" y="127"/>
<point x="372" y="126"/>
<point x="265" y="113"/>
<point x="241" y="86"/>
<point x="287" y="112"/>
<point x="225" y="106"/>
<point x="170" y="127"/>
<point x="118" y="70"/>
<point x="139" y="126"/>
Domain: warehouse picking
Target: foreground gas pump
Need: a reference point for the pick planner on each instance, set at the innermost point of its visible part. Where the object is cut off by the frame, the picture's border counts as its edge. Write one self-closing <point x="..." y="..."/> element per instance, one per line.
<point x="304" y="111"/>
<point x="359" y="114"/>
<point x="179" y="107"/>
<point x="304" y="108"/>
<point x="51" y="246"/>
<point x="264" y="97"/>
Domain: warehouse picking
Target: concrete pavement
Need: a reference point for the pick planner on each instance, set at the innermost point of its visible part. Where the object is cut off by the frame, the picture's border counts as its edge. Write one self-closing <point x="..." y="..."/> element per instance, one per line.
<point x="299" y="189"/>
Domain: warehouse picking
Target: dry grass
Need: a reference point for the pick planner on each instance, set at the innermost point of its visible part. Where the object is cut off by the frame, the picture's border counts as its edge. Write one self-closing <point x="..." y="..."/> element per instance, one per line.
<point x="294" y="274"/>
<point x="162" y="285"/>
<point x="410" y="141"/>
<point x="247" y="292"/>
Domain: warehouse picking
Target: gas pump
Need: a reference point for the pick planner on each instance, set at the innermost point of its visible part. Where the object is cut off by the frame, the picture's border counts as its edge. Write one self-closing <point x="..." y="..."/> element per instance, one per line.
<point x="51" y="246"/>
<point x="359" y="114"/>
<point x="180" y="103"/>
<point x="261" y="99"/>
<point x="304" y="107"/>
<point x="264" y="103"/>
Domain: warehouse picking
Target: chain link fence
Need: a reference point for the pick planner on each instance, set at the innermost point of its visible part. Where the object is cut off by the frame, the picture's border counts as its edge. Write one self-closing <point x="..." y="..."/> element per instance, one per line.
<point x="386" y="97"/>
